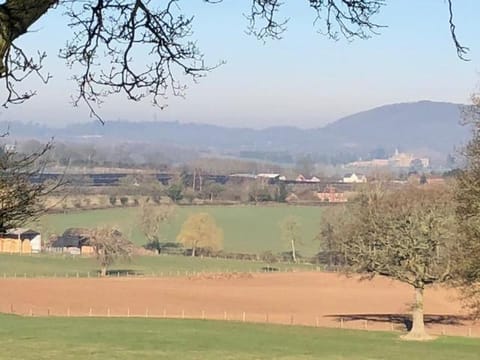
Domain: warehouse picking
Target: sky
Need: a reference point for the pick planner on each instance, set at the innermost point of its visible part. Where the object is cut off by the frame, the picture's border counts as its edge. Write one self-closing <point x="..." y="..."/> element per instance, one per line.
<point x="304" y="79"/>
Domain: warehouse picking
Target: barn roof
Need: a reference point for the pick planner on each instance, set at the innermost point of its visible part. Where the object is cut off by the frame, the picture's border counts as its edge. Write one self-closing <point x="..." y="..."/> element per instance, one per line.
<point x="72" y="237"/>
<point x="21" y="231"/>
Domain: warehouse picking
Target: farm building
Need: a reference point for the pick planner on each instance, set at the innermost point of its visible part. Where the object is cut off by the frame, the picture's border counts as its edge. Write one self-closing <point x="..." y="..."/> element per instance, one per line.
<point x="20" y="241"/>
<point x="75" y="241"/>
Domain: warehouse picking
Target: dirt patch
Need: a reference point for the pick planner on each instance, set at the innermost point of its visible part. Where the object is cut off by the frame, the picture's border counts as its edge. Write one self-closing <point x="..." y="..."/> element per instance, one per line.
<point x="314" y="299"/>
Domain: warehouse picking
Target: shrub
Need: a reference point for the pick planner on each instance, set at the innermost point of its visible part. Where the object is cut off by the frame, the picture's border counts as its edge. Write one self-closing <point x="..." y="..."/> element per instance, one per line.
<point x="113" y="200"/>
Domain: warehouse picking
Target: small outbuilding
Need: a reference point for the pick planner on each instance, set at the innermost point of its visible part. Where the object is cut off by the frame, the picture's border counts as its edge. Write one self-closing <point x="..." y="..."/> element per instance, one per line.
<point x="74" y="241"/>
<point x="21" y="241"/>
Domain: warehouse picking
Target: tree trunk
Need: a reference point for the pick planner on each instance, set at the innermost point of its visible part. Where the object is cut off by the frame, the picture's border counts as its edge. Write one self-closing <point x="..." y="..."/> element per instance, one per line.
<point x="16" y="16"/>
<point x="194" y="178"/>
<point x="193" y="251"/>
<point x="418" y="325"/>
<point x="294" y="255"/>
<point x="103" y="271"/>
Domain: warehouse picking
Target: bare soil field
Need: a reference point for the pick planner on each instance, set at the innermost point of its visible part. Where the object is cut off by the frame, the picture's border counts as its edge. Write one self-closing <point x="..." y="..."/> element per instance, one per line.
<point x="312" y="299"/>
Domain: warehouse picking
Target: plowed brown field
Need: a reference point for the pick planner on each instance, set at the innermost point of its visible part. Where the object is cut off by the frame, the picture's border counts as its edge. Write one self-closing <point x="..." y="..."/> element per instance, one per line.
<point x="313" y="299"/>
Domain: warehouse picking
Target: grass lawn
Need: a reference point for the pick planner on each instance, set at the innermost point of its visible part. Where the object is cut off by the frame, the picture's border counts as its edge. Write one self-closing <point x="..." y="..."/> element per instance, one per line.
<point x="99" y="339"/>
<point x="62" y="266"/>
<point x="250" y="229"/>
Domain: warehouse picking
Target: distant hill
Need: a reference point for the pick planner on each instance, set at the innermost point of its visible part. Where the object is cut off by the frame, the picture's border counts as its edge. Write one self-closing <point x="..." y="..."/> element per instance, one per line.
<point x="425" y="126"/>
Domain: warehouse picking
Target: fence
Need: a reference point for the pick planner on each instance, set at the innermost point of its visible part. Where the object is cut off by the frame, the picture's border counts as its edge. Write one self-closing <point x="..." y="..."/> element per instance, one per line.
<point x="339" y="322"/>
<point x="149" y="274"/>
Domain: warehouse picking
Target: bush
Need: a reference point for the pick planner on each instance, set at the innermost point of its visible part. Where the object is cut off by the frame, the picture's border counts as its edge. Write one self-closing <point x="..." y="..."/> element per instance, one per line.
<point x="268" y="257"/>
<point x="288" y="256"/>
<point x="113" y="200"/>
<point x="124" y="200"/>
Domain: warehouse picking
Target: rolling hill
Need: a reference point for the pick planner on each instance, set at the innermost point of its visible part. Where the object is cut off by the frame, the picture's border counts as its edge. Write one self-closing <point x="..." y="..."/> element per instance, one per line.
<point x="425" y="126"/>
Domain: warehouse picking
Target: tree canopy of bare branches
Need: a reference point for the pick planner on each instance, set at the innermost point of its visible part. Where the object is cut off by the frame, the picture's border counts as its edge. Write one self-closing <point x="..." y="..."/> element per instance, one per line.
<point x="406" y="234"/>
<point x="151" y="219"/>
<point x="20" y="197"/>
<point x="144" y="48"/>
<point x="291" y="231"/>
<point x="468" y="211"/>
<point x="109" y="245"/>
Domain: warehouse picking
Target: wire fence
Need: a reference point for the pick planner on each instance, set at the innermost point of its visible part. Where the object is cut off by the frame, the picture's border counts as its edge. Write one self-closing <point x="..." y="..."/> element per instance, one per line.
<point x="142" y="273"/>
<point x="367" y="323"/>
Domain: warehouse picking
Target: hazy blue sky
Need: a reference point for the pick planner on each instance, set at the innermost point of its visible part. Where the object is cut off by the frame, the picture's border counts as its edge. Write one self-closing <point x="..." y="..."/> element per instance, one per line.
<point x="303" y="80"/>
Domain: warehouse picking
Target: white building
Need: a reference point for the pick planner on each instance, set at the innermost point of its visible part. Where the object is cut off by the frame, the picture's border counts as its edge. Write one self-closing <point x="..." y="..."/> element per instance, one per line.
<point x="354" y="178"/>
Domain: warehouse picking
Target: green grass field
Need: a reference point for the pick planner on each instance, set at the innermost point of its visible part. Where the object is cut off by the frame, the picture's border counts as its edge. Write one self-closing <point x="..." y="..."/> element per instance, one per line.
<point x="62" y="266"/>
<point x="117" y="339"/>
<point x="249" y="229"/>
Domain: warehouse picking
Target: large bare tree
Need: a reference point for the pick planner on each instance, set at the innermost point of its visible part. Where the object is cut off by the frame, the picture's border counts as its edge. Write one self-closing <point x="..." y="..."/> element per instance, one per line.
<point x="109" y="245"/>
<point x="151" y="220"/>
<point x="110" y="36"/>
<point x="406" y="234"/>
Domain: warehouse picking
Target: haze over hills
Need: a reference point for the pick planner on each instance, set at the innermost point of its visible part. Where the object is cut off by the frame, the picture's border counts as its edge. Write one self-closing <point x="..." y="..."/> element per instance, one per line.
<point x="424" y="127"/>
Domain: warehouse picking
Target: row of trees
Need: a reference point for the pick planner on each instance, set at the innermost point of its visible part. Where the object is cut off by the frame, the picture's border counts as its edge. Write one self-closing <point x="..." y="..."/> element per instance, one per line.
<point x="200" y="230"/>
<point x="109" y="244"/>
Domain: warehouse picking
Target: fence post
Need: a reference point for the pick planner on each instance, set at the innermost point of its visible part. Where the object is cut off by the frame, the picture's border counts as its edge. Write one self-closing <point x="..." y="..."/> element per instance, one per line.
<point x="128" y="312"/>
<point x="164" y="313"/>
<point x="366" y="324"/>
<point x="266" y="318"/>
<point x="11" y="308"/>
<point x="341" y="323"/>
<point x="90" y="312"/>
<point x="244" y="316"/>
<point x="469" y="332"/>
<point x="146" y="312"/>
<point x="291" y="319"/>
<point x="183" y="314"/>
<point x="316" y="321"/>
<point x="108" y="312"/>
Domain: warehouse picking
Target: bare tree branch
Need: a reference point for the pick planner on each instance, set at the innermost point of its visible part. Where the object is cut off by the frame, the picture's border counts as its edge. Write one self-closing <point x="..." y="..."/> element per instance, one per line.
<point x="144" y="48"/>
<point x="461" y="50"/>
<point x="20" y="198"/>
